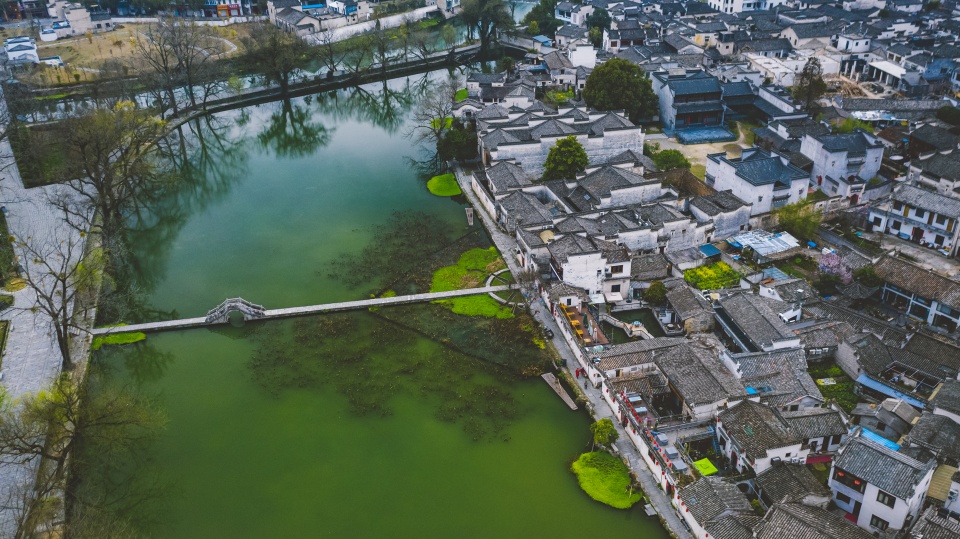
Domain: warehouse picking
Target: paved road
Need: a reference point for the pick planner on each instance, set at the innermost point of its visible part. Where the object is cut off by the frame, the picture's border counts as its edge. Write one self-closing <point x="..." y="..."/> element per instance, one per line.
<point x="31" y="358"/>
<point x="507" y="245"/>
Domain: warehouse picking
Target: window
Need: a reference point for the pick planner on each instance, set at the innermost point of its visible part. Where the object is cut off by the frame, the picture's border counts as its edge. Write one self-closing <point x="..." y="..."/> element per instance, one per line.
<point x="849" y="481"/>
<point x="760" y="198"/>
<point x="878" y="523"/>
<point x="569" y="302"/>
<point x="616" y="269"/>
<point x="897" y="206"/>
<point x="886" y="499"/>
<point x="841" y="497"/>
<point x="941" y="219"/>
<point x="615" y="288"/>
<point x="881" y="426"/>
<point x="919" y="213"/>
<point x="895" y="225"/>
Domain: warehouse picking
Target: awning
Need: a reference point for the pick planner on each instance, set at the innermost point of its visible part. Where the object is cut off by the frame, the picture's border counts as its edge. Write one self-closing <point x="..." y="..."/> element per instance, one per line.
<point x="596" y="299"/>
<point x="613" y="297"/>
<point x="705" y="467"/>
<point x="709" y="250"/>
<point x="874" y="437"/>
<point x="866" y="381"/>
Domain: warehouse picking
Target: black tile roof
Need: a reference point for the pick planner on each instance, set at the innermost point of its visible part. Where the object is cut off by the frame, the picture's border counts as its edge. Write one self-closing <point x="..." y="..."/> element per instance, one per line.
<point x="798" y="521"/>
<point x="710" y="498"/>
<point x="792" y="482"/>
<point x="756" y="428"/>
<point x="891" y="472"/>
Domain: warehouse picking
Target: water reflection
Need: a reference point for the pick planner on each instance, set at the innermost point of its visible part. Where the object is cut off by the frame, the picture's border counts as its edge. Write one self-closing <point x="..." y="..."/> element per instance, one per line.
<point x="292" y="132"/>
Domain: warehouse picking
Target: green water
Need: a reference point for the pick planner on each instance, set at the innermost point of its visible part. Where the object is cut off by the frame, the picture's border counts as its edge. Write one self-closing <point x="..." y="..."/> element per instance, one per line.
<point x="347" y="426"/>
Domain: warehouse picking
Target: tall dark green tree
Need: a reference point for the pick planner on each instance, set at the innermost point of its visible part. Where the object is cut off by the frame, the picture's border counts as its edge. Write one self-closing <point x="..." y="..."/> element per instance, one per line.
<point x="277" y="54"/>
<point x="486" y="18"/>
<point x="542" y="14"/>
<point x="809" y="86"/>
<point x="618" y="84"/>
<point x="565" y="160"/>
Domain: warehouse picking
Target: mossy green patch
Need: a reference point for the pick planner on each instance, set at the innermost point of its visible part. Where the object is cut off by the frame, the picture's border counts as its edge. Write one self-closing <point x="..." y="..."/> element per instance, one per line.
<point x="461" y="95"/>
<point x="605" y="478"/>
<point x="479" y="305"/>
<point x="117" y="338"/>
<point x="444" y="185"/>
<point x="447" y="123"/>
<point x="470" y="272"/>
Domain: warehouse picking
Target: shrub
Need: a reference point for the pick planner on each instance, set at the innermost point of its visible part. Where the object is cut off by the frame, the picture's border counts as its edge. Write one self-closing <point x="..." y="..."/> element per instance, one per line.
<point x="605" y="478"/>
<point x="117" y="339"/>
<point x="5" y="302"/>
<point x="712" y="277"/>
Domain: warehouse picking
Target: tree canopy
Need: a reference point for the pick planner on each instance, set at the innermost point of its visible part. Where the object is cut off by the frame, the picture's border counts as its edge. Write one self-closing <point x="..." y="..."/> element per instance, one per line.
<point x="669" y="160"/>
<point x="799" y="219"/>
<point x="809" y="86"/>
<point x="604" y="432"/>
<point x="618" y="84"/>
<point x="542" y="15"/>
<point x="565" y="160"/>
<point x="656" y="294"/>
<point x="277" y="54"/>
<point x="486" y="17"/>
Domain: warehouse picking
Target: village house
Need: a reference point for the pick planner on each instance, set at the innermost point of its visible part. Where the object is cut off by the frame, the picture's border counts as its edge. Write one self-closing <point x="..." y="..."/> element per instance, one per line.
<point x="688" y="309"/>
<point x="878" y="487"/>
<point x="919" y="293"/>
<point x="764" y="179"/>
<point x="751" y="435"/>
<point x="688" y="98"/>
<point x="842" y="164"/>
<point x="785" y="483"/>
<point x="799" y="520"/>
<point x="706" y="502"/>
<point x="727" y="212"/>
<point x="755" y="323"/>
<point x="779" y="378"/>
<point x="891" y="419"/>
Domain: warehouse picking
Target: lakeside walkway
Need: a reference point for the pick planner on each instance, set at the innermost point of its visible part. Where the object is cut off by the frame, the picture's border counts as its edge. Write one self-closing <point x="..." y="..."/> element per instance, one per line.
<point x="185" y="323"/>
<point x="597" y="406"/>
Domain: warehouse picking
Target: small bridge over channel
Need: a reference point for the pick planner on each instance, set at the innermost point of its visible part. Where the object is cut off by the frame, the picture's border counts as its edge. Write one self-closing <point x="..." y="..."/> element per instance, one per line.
<point x="252" y="311"/>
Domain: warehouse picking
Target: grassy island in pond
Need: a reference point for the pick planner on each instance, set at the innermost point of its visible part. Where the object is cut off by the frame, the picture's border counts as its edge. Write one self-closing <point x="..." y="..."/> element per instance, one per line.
<point x="605" y="478"/>
<point x="470" y="272"/>
<point x="444" y="185"/>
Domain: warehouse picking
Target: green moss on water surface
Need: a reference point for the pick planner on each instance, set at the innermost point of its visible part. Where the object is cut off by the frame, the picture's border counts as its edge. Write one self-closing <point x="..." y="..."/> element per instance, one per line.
<point x="605" y="478"/>
<point x="117" y="339"/>
<point x="479" y="305"/>
<point x="444" y="185"/>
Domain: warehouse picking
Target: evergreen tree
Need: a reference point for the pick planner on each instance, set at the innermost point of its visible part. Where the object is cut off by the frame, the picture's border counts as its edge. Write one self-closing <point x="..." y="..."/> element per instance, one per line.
<point x="809" y="85"/>
<point x="565" y="160"/>
<point x="618" y="84"/>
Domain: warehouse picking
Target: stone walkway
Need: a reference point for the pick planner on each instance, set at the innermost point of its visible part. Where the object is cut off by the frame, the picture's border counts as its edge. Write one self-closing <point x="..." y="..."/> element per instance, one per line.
<point x="31" y="358"/>
<point x="597" y="405"/>
<point x="311" y="309"/>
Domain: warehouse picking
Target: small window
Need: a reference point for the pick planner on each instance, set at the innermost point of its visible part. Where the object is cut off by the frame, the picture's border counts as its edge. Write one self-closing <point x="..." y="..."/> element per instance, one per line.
<point x="760" y="198"/>
<point x="886" y="499"/>
<point x="897" y="206"/>
<point x="941" y="219"/>
<point x="615" y="288"/>
<point x="878" y="523"/>
<point x="895" y="225"/>
<point x="841" y="497"/>
<point x="569" y="302"/>
<point x="919" y="213"/>
<point x="616" y="269"/>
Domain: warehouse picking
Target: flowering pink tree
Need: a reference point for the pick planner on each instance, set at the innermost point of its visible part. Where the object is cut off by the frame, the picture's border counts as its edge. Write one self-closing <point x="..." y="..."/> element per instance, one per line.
<point x="832" y="264"/>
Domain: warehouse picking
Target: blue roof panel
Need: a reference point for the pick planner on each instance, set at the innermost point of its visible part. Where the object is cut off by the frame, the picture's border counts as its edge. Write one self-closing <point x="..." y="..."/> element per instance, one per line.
<point x="865" y="380"/>
<point x="872" y="436"/>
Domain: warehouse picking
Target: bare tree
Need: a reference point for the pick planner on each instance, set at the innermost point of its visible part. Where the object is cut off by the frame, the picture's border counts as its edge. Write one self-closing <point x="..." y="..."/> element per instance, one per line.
<point x="160" y="68"/>
<point x="60" y="273"/>
<point x="196" y="48"/>
<point x="330" y="52"/>
<point x="278" y="55"/>
<point x="434" y="115"/>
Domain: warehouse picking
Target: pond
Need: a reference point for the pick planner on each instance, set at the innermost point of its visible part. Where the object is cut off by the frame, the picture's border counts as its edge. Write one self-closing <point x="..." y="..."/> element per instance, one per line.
<point x="384" y="423"/>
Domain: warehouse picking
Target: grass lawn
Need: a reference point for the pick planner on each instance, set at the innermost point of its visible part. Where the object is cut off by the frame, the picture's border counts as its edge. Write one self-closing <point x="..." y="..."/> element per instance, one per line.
<point x="699" y="171"/>
<point x="444" y="185"/>
<point x="470" y="272"/>
<point x="116" y="339"/>
<point x="605" y="478"/>
<point x="821" y="471"/>
<point x="461" y="95"/>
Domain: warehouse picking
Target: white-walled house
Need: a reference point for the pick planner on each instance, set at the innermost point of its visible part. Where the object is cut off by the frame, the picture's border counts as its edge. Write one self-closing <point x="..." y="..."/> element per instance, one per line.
<point x="766" y="180"/>
<point x="751" y="435"/>
<point x="708" y="500"/>
<point x="919" y="215"/>
<point x="843" y="163"/>
<point x="880" y="488"/>
<point x="946" y="400"/>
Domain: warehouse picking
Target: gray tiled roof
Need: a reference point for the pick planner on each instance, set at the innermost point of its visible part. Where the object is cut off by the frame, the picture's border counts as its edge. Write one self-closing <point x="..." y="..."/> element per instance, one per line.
<point x="755" y="318"/>
<point x="859" y="322"/>
<point x="798" y="521"/>
<point x="756" y="428"/>
<point x="939" y="165"/>
<point x="717" y="203"/>
<point x="790" y="288"/>
<point x="696" y="372"/>
<point x="687" y="302"/>
<point x="891" y="472"/>
<point x="948" y="396"/>
<point x="927" y="200"/>
<point x="852" y="143"/>
<point x="937" y="433"/>
<point x="815" y="422"/>
<point x="733" y="526"/>
<point x="931" y="525"/>
<point x="760" y="167"/>
<point x="619" y="356"/>
<point x="791" y="481"/>
<point x="918" y="280"/>
<point x="505" y="176"/>
<point x="824" y="335"/>
<point x="938" y="137"/>
<point x="779" y="376"/>
<point x="570" y="246"/>
<point x="649" y="267"/>
<point x="709" y="498"/>
<point x="526" y="210"/>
